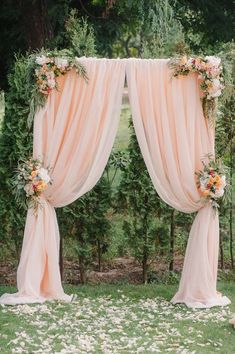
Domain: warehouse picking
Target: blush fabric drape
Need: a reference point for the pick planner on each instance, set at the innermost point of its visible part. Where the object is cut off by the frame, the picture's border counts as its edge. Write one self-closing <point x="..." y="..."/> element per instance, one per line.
<point x="74" y="133"/>
<point x="174" y="136"/>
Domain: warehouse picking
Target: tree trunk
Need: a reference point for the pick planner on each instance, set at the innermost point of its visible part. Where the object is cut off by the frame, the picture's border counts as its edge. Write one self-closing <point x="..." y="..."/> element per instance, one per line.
<point x="145" y="268"/>
<point x="82" y="270"/>
<point x="99" y="255"/>
<point x="145" y="249"/>
<point x="36" y="23"/>
<point x="231" y="206"/>
<point x="221" y="246"/>
<point x="61" y="258"/>
<point x="172" y="241"/>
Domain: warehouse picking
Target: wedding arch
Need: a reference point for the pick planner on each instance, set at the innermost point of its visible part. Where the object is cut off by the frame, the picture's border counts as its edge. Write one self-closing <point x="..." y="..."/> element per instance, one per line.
<point x="75" y="132"/>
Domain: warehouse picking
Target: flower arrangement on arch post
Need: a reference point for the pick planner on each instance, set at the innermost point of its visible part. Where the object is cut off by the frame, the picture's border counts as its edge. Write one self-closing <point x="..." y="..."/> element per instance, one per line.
<point x="31" y="180"/>
<point x="211" y="181"/>
<point x="210" y="74"/>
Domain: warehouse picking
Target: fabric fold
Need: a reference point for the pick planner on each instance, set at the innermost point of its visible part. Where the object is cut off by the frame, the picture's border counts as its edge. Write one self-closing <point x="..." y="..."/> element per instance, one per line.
<point x="199" y="275"/>
<point x="74" y="133"/>
<point x="174" y="136"/>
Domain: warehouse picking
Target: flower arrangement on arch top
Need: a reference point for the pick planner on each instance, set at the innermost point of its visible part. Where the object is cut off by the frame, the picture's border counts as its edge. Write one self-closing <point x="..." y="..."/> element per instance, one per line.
<point x="211" y="182"/>
<point x="210" y="74"/>
<point x="48" y="68"/>
<point x="31" y="180"/>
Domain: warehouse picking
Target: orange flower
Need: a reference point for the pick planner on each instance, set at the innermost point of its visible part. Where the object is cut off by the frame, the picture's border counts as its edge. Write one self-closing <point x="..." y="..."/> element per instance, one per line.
<point x="211" y="180"/>
<point x="205" y="193"/>
<point x="34" y="173"/>
<point x="217" y="179"/>
<point x="41" y="186"/>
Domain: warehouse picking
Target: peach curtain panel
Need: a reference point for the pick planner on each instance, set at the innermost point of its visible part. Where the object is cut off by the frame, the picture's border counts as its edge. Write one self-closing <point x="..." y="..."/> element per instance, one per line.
<point x="74" y="133"/>
<point x="174" y="136"/>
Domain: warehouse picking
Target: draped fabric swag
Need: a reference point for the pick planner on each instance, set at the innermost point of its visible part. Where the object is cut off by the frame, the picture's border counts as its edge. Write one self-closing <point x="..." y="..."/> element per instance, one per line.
<point x="174" y="136"/>
<point x="75" y="133"/>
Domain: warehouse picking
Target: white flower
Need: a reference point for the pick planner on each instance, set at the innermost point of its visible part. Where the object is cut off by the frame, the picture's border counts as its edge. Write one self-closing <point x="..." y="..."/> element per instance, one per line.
<point x="29" y="189"/>
<point x="51" y="83"/>
<point x="203" y="182"/>
<point x="215" y="94"/>
<point x="214" y="61"/>
<point x="42" y="60"/>
<point x="50" y="75"/>
<point x="214" y="90"/>
<point x="61" y="63"/>
<point x="219" y="193"/>
<point x="223" y="181"/>
<point x="43" y="174"/>
<point x="190" y="61"/>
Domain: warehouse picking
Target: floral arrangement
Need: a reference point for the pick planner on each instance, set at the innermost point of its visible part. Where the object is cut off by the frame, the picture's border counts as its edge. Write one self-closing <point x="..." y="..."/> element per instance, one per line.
<point x="210" y="74"/>
<point x="46" y="68"/>
<point x="211" y="182"/>
<point x="31" y="180"/>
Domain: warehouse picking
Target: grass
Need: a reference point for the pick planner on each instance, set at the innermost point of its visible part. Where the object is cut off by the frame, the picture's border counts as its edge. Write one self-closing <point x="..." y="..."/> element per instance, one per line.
<point x="123" y="133"/>
<point x="117" y="319"/>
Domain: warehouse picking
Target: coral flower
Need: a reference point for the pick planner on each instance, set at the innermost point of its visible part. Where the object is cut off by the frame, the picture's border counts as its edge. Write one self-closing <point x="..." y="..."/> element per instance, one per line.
<point x="34" y="173"/>
<point x="205" y="193"/>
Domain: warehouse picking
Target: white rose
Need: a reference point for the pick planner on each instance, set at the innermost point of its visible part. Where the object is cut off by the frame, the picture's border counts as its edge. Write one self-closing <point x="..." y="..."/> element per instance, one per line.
<point x="43" y="174"/>
<point x="215" y="61"/>
<point x="223" y="181"/>
<point x="61" y="63"/>
<point x="29" y="189"/>
<point x="51" y="83"/>
<point x="219" y="193"/>
<point x="216" y="83"/>
<point x="203" y="182"/>
<point x="216" y="94"/>
<point x="215" y="89"/>
<point x="42" y="60"/>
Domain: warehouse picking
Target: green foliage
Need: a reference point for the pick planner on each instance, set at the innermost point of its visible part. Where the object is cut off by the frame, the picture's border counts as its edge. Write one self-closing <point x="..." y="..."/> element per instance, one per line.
<point x="206" y="24"/>
<point x="86" y="221"/>
<point x="162" y="33"/>
<point x="15" y="143"/>
<point x="137" y="196"/>
<point x="80" y="36"/>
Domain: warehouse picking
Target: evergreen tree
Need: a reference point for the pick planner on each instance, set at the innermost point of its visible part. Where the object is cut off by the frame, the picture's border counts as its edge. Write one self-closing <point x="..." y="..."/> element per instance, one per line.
<point x="138" y="197"/>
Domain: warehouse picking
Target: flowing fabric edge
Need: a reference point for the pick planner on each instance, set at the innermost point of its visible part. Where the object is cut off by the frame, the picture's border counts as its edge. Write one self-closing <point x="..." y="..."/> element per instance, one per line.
<point x="203" y="304"/>
<point x="23" y="299"/>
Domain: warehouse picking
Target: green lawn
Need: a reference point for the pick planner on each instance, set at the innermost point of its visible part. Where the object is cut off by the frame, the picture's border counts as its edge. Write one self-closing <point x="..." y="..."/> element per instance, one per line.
<point x="118" y="319"/>
<point x="123" y="133"/>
